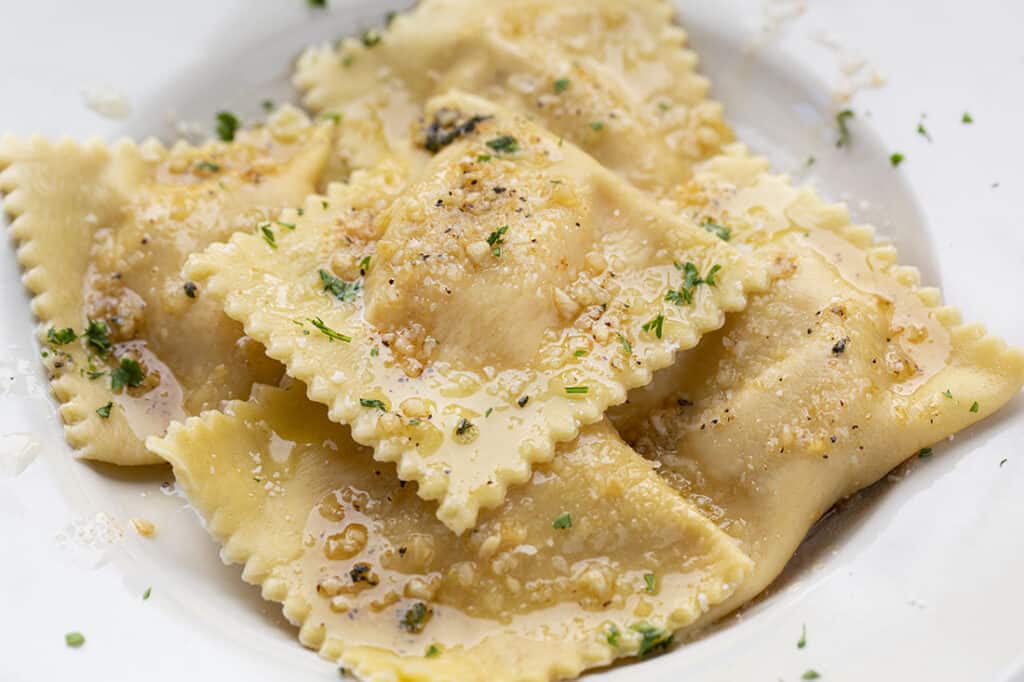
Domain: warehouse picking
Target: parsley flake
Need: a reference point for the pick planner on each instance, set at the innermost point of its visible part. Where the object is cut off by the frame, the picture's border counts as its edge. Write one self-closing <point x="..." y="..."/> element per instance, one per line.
<point x="577" y="390"/>
<point x="655" y="325"/>
<point x="373" y="402"/>
<point x="61" y="337"/>
<point x="580" y="354"/>
<point x="339" y="288"/>
<point x="415" y="619"/>
<point x="975" y="407"/>
<point x="843" y="121"/>
<point x="463" y="427"/>
<point x="611" y="635"/>
<point x="562" y="521"/>
<point x="561" y="85"/>
<point x="802" y="642"/>
<point x="691" y="280"/>
<point x="432" y="651"/>
<point x="925" y="453"/>
<point x="948" y="393"/>
<point x="496" y="239"/>
<point x="810" y="675"/>
<point x="652" y="638"/>
<point x="723" y="233"/>
<point x="145" y="595"/>
<point x="374" y="352"/>
<point x="129" y="373"/>
<point x="597" y="126"/>
<point x="626" y="345"/>
<point x="104" y="412"/>
<point x="371" y="38"/>
<point x="74" y="639"/>
<point x="506" y="144"/>
<point x="664" y="106"/>
<point x="317" y="4"/>
<point x="364" y="266"/>
<point x="268" y="105"/>
<point x="896" y="159"/>
<point x="328" y="332"/>
<point x="208" y="167"/>
<point x="967" y="118"/>
<point x="443" y="130"/>
<point x="650" y="582"/>
<point x="268" y="235"/>
<point x="488" y="411"/>
<point x="96" y="337"/>
<point x="227" y="125"/>
<point x="923" y="132"/>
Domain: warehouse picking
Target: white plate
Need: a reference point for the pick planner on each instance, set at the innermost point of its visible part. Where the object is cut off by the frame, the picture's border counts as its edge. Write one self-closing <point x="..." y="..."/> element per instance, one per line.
<point x="919" y="579"/>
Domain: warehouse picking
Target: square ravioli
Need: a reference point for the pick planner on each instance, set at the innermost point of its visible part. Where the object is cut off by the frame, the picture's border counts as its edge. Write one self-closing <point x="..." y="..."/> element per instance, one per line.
<point x="612" y="76"/>
<point x="518" y="289"/>
<point x="595" y="558"/>
<point x="102" y="235"/>
<point x="843" y="369"/>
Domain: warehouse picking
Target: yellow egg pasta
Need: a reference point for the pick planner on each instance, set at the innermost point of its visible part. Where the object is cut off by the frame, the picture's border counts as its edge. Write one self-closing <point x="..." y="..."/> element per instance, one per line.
<point x="518" y="290"/>
<point x="128" y="343"/>
<point x="595" y="558"/>
<point x="612" y="76"/>
<point x="842" y="370"/>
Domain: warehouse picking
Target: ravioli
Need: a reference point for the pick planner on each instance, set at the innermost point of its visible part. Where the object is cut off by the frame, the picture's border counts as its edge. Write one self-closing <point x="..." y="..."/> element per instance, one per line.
<point x="102" y="233"/>
<point x="844" y="369"/>
<point x="611" y="76"/>
<point x="595" y="558"/>
<point x="517" y="291"/>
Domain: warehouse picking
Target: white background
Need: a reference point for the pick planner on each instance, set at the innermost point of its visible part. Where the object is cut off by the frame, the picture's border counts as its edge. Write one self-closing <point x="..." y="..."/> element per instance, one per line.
<point x="919" y="579"/>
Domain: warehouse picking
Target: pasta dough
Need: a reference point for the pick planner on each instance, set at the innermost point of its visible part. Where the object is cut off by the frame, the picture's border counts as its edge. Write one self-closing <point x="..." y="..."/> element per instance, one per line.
<point x="518" y="290"/>
<point x="611" y="76"/>
<point x="596" y="557"/>
<point x="103" y="234"/>
<point x="844" y="369"/>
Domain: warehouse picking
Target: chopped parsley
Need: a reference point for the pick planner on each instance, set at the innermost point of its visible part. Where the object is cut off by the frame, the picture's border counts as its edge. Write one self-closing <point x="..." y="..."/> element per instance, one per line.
<point x="611" y="635"/>
<point x="580" y="354"/>
<point x="496" y="239"/>
<point x="664" y="106"/>
<point x="104" y="412"/>
<point x="332" y="116"/>
<point x="190" y="289"/>
<point x="362" y="573"/>
<point x="691" y="280"/>
<point x="923" y="132"/>
<point x="145" y="595"/>
<point x="371" y="37"/>
<point x="652" y="638"/>
<point x="967" y="118"/>
<point x="577" y="390"/>
<point x="650" y="582"/>
<point x="415" y="619"/>
<point x="484" y="158"/>
<point x="488" y="411"/>
<point x="597" y="126"/>
<point x="374" y="352"/>
<point x="843" y="121"/>
<point x="74" y="639"/>
<point x="810" y="161"/>
<point x="562" y="521"/>
<point x="441" y="132"/>
<point x="328" y="332"/>
<point x="506" y="144"/>
<point x="975" y="406"/>
<point x="268" y="105"/>
<point x="208" y="166"/>
<point x="561" y="85"/>
<point x="463" y="427"/>
<point x="802" y="642"/>
<point x="287" y="226"/>
<point x="373" y="402"/>
<point x="61" y="337"/>
<point x="723" y="233"/>
<point x="896" y="159"/>
<point x="96" y="337"/>
<point x="626" y="345"/>
<point x="227" y="125"/>
<point x="948" y="393"/>
<point x="268" y="235"/>
<point x="364" y="266"/>
<point x="348" y="60"/>
<point x="317" y="4"/>
<point x="655" y="325"/>
<point x="129" y="373"/>
<point x="925" y="453"/>
<point x="432" y="651"/>
<point x="339" y="288"/>
<point x="810" y="675"/>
